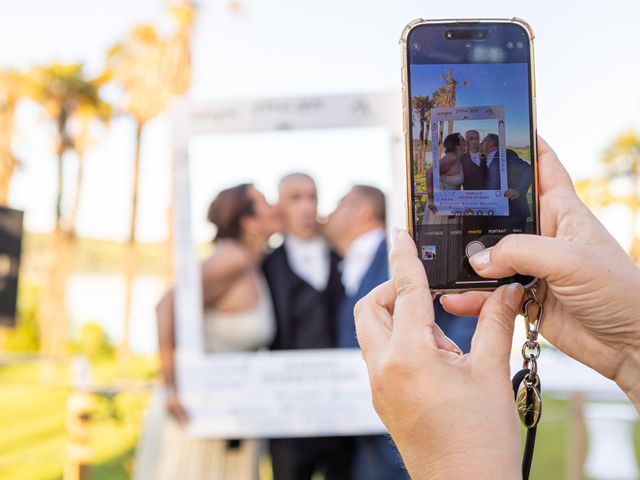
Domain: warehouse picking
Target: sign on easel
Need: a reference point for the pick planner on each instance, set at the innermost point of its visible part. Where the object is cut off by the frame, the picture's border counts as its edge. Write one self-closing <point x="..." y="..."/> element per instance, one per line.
<point x="10" y="251"/>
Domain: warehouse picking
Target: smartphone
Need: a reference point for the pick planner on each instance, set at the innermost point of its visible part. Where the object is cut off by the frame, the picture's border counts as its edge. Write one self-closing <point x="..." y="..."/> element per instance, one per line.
<point x="470" y="131"/>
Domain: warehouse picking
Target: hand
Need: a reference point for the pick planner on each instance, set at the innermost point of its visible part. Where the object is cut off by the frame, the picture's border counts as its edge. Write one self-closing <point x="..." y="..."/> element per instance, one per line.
<point x="592" y="287"/>
<point x="512" y="194"/>
<point x="450" y="415"/>
<point x="175" y="407"/>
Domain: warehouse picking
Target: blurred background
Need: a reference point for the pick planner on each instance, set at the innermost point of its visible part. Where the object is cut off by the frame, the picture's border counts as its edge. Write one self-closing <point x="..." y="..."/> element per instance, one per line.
<point x="86" y="88"/>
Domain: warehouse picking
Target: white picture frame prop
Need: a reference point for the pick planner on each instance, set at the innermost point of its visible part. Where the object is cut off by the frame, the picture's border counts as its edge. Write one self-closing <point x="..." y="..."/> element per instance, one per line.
<point x="469" y="202"/>
<point x="270" y="394"/>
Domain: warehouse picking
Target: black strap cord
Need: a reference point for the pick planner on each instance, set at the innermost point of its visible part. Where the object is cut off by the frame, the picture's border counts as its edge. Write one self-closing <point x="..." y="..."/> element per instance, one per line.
<point x="530" y="442"/>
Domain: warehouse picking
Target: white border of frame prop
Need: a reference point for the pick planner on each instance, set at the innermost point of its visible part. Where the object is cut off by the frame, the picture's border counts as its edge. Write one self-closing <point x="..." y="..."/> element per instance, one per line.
<point x="270" y="394"/>
<point x="471" y="202"/>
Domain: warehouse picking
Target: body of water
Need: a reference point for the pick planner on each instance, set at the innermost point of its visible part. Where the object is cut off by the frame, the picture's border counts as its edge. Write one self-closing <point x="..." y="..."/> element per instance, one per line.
<point x="100" y="298"/>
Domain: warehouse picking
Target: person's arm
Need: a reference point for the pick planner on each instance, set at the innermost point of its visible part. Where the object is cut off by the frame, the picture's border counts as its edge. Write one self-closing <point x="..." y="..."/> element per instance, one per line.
<point x="446" y="162"/>
<point x="166" y="345"/>
<point x="592" y="305"/>
<point x="525" y="177"/>
<point x="450" y="415"/>
<point x="218" y="274"/>
<point x="429" y="185"/>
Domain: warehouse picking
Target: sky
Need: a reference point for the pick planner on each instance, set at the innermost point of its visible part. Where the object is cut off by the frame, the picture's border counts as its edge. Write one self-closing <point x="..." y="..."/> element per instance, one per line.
<point x="492" y="84"/>
<point x="587" y="92"/>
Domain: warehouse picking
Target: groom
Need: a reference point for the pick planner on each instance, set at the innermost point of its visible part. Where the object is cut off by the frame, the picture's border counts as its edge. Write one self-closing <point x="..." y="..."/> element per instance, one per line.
<point x="356" y="229"/>
<point x="474" y="163"/>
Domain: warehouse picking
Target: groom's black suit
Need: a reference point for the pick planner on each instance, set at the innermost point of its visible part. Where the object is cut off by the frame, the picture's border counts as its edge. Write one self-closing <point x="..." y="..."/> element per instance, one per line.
<point x="474" y="175"/>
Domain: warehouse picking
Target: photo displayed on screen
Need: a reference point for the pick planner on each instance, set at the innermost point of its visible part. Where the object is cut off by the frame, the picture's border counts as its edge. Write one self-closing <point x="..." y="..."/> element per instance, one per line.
<point x="472" y="170"/>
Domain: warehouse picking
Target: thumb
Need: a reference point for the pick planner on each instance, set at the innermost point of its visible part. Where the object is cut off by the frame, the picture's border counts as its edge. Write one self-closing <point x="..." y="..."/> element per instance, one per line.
<point x="491" y="344"/>
<point x="534" y="255"/>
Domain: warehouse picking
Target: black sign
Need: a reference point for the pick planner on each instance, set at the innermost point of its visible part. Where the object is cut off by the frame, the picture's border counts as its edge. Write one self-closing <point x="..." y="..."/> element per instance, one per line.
<point x="10" y="249"/>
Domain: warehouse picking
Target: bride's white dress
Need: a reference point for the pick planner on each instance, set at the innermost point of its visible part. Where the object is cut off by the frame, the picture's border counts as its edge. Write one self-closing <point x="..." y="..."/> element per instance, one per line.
<point x="165" y="451"/>
<point x="447" y="182"/>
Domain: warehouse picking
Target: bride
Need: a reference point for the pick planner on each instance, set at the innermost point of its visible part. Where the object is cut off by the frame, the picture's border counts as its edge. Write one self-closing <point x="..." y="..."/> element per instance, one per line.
<point x="451" y="176"/>
<point x="238" y="316"/>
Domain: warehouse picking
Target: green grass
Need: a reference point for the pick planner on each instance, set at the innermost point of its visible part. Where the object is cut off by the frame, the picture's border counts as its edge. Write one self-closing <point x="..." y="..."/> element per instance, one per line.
<point x="550" y="461"/>
<point x="33" y="437"/>
<point x="32" y="424"/>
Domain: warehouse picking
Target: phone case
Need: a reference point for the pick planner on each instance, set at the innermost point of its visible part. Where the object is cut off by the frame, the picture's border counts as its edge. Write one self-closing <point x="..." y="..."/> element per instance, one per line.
<point x="406" y="110"/>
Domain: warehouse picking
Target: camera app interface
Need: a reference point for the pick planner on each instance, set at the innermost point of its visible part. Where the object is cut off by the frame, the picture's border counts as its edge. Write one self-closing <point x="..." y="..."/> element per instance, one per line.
<point x="471" y="146"/>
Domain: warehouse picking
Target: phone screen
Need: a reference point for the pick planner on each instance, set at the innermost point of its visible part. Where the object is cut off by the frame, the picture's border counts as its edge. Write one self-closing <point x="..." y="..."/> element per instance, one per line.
<point x="471" y="137"/>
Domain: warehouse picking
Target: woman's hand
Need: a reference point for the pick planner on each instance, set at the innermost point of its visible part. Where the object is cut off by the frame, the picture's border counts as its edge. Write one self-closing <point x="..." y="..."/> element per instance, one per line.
<point x="592" y="305"/>
<point x="175" y="407"/>
<point x="450" y="415"/>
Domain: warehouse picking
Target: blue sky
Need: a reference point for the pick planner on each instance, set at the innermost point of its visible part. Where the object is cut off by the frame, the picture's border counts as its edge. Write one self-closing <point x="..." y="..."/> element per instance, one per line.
<point x="489" y="84"/>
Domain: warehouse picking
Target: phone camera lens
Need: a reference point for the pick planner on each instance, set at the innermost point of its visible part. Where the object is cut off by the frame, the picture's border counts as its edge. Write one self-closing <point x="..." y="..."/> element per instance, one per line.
<point x="416" y="45"/>
<point x="509" y="45"/>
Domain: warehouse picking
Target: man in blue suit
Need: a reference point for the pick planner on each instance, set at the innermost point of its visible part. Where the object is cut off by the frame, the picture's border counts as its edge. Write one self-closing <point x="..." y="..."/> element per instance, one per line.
<point x="357" y="231"/>
<point x="519" y="178"/>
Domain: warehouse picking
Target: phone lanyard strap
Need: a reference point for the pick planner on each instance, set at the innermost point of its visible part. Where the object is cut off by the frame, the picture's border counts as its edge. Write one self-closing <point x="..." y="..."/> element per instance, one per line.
<point x="528" y="398"/>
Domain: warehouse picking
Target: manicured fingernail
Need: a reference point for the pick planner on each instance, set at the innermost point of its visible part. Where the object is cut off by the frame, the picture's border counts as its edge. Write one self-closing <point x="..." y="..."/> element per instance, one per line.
<point x="481" y="258"/>
<point x="512" y="296"/>
<point x="442" y="297"/>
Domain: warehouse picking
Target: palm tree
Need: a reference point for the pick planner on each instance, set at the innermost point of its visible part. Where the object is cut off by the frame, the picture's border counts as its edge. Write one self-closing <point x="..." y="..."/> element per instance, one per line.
<point x="622" y="159"/>
<point x="80" y="125"/>
<point x="422" y="106"/>
<point x="445" y="97"/>
<point x="62" y="90"/>
<point x="450" y="93"/>
<point x="440" y="101"/>
<point x="151" y="71"/>
<point x="11" y="91"/>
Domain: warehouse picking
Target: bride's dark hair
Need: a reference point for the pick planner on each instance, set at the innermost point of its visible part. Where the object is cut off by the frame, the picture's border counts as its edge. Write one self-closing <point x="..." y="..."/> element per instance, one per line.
<point x="451" y="142"/>
<point x="227" y="210"/>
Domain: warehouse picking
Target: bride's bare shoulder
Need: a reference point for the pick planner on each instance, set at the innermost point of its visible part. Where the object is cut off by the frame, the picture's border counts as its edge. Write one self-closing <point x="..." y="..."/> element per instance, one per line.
<point x="228" y="258"/>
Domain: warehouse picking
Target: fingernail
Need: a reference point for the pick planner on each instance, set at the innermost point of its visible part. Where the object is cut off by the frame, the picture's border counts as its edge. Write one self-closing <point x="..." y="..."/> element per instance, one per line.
<point x="457" y="349"/>
<point x="481" y="258"/>
<point x="442" y="297"/>
<point x="512" y="296"/>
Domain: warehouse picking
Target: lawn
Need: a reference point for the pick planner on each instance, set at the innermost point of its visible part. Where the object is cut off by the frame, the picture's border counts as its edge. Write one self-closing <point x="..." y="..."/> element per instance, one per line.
<point x="33" y="406"/>
<point x="33" y="437"/>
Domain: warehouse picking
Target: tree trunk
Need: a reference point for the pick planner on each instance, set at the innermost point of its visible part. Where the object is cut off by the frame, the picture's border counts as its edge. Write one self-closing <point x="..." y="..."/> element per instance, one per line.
<point x="53" y="315"/>
<point x="54" y="321"/>
<point x="130" y="254"/>
<point x="7" y="159"/>
<point x="136" y="176"/>
<point x="62" y="125"/>
<point x="6" y="172"/>
<point x="78" y="194"/>
<point x="73" y="246"/>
